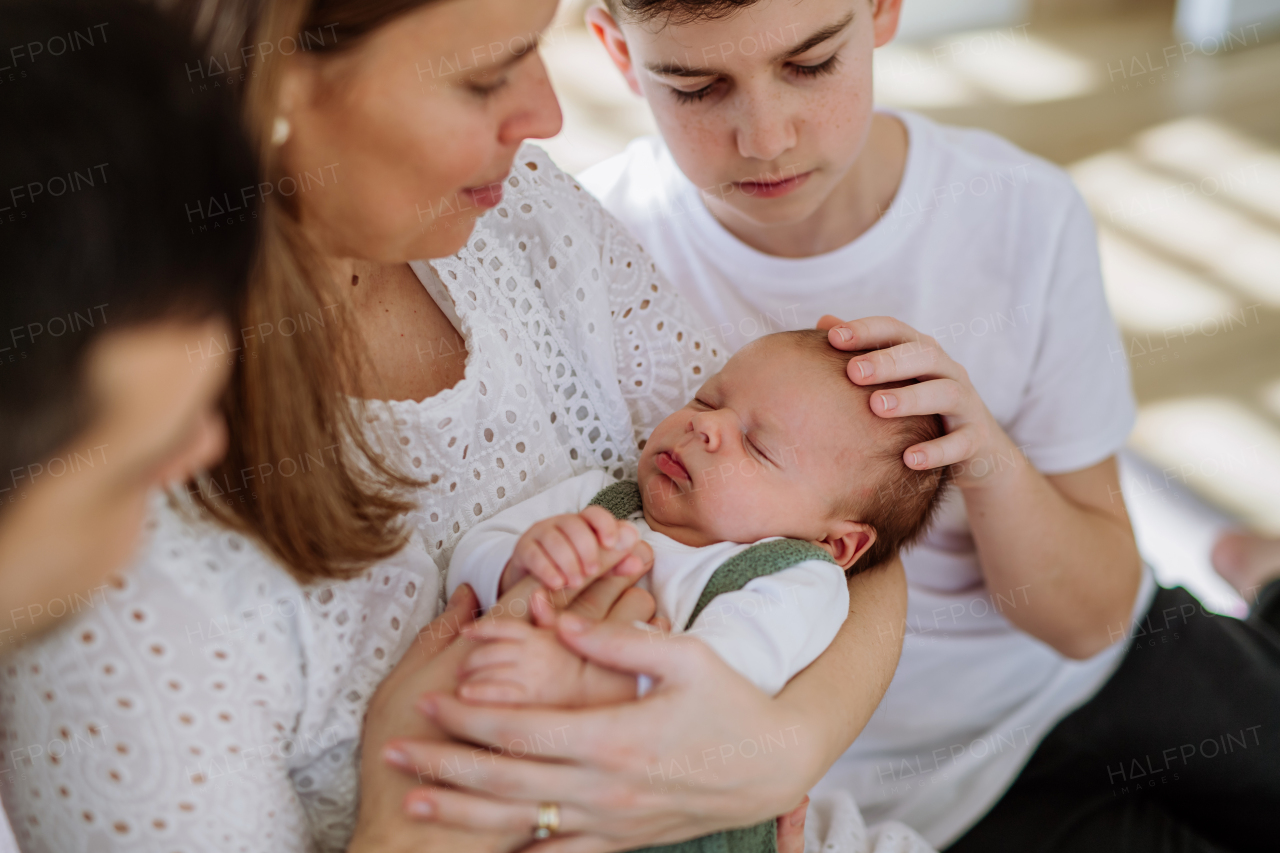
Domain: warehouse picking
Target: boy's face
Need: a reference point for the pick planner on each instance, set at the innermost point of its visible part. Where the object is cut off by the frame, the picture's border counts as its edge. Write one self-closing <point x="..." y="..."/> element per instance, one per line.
<point x="766" y="448"/>
<point x="766" y="110"/>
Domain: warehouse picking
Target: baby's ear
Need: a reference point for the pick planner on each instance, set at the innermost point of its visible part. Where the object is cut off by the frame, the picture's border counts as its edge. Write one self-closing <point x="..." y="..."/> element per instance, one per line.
<point x="846" y="541"/>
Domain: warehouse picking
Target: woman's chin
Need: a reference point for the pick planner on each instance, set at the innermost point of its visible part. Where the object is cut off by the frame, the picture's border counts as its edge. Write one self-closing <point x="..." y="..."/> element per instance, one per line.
<point x="444" y="236"/>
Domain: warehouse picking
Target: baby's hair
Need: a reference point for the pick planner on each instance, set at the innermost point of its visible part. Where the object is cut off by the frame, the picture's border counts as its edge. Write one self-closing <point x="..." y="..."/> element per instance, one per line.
<point x="905" y="499"/>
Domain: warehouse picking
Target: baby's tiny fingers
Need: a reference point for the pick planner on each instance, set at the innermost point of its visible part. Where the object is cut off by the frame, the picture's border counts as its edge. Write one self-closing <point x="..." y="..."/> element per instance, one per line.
<point x="628" y="536"/>
<point x="532" y="558"/>
<point x="498" y="629"/>
<point x="496" y="692"/>
<point x="585" y="545"/>
<point x="603" y="523"/>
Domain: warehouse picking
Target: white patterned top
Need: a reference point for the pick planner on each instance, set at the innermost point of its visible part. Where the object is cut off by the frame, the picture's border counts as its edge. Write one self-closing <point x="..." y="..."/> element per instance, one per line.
<point x="206" y="701"/>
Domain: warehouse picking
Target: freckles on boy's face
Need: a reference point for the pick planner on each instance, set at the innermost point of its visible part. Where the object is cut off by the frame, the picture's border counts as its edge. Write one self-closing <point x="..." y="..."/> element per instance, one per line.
<point x="764" y="449"/>
<point x="765" y="110"/>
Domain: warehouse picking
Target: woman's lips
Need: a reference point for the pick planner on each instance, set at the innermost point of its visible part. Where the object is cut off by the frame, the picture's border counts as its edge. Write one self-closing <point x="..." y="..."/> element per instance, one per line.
<point x="489" y="195"/>
<point x="671" y="466"/>
<point x="773" y="189"/>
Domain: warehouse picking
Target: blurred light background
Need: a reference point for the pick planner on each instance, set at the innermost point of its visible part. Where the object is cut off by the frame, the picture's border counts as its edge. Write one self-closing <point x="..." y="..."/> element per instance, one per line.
<point x="1167" y="114"/>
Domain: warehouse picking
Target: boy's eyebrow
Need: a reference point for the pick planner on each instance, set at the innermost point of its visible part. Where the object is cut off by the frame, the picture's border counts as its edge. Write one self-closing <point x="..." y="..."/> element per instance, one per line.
<point x="675" y="69"/>
<point x="827" y="32"/>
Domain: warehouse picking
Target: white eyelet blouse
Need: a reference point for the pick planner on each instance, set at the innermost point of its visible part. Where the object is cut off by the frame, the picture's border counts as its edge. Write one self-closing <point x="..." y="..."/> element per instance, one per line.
<point x="207" y="701"/>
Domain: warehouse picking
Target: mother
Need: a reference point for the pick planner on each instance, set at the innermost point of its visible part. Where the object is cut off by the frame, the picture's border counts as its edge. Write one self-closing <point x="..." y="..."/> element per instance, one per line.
<point x="226" y="678"/>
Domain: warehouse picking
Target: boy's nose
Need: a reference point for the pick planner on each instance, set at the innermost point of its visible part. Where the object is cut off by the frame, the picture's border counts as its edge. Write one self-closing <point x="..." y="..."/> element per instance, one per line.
<point x="765" y="130"/>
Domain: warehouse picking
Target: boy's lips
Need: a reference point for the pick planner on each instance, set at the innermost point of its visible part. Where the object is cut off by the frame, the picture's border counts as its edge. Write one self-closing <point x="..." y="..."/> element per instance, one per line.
<point x="768" y="188"/>
<point x="670" y="464"/>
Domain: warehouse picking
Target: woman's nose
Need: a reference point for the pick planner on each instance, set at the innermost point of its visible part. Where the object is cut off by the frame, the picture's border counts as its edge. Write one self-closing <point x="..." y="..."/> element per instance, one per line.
<point x="535" y="112"/>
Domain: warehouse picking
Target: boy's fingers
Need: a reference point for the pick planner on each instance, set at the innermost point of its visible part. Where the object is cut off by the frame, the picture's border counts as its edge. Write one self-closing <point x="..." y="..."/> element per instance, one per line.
<point x="913" y="360"/>
<point x="868" y="333"/>
<point x="950" y="449"/>
<point x="604" y="525"/>
<point x="932" y="397"/>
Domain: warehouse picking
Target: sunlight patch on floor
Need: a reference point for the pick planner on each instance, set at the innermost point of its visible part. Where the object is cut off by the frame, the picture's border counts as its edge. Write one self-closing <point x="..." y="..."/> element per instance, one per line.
<point x="1218" y="448"/>
<point x="1006" y="65"/>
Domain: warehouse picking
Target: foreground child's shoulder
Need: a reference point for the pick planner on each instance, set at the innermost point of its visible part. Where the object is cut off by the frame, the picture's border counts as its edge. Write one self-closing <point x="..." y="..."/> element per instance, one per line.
<point x="993" y="165"/>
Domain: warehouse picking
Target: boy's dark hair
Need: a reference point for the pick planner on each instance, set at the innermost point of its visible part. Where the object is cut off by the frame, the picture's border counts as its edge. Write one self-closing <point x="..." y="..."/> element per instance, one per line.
<point x="105" y="151"/>
<point x="676" y="11"/>
<point x="905" y="499"/>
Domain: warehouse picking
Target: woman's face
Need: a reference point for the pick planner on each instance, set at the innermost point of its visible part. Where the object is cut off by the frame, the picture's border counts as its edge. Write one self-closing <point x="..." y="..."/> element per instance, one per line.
<point x="69" y="521"/>
<point x="400" y="143"/>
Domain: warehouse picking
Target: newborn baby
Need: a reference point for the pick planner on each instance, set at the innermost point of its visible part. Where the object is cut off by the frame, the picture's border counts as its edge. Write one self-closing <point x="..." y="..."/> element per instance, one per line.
<point x="756" y="498"/>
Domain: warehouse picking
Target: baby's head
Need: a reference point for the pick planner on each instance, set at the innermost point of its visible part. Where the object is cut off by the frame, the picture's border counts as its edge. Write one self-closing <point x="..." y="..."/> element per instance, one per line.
<point x="781" y="443"/>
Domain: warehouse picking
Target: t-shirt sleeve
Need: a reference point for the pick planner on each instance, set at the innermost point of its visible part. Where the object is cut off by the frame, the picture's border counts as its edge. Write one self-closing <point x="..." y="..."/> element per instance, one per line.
<point x="777" y="625"/>
<point x="1078" y="408"/>
<point x="483" y="552"/>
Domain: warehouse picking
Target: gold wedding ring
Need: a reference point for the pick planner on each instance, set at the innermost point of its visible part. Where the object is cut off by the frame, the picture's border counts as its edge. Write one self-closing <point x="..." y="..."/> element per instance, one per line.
<point x="548" y="820"/>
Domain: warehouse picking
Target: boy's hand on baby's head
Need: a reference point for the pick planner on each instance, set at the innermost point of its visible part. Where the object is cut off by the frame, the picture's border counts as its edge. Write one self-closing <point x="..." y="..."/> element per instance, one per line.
<point x="569" y="551"/>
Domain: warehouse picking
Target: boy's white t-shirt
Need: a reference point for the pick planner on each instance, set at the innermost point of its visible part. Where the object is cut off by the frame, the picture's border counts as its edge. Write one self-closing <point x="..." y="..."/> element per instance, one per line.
<point x="769" y="630"/>
<point x="993" y="252"/>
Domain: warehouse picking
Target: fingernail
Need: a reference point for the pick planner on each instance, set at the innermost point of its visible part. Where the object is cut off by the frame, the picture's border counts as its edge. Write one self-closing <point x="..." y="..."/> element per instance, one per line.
<point x="917" y="458"/>
<point x="889" y="401"/>
<point x="573" y="624"/>
<point x="429" y="706"/>
<point x="458" y="595"/>
<point x="422" y="808"/>
<point x="798" y="818"/>
<point x="865" y="369"/>
<point x="398" y="757"/>
<point x="845" y="334"/>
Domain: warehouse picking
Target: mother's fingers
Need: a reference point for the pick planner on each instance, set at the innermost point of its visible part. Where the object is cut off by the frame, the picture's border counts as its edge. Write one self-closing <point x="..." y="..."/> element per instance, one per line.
<point x="597" y="600"/>
<point x="461" y="809"/>
<point x="870" y="333"/>
<point x="504" y="730"/>
<point x="457" y="617"/>
<point x="635" y="605"/>
<point x="491" y="769"/>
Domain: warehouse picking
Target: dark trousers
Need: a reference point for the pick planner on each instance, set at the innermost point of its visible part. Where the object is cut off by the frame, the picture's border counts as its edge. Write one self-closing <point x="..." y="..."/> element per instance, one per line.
<point x="1179" y="751"/>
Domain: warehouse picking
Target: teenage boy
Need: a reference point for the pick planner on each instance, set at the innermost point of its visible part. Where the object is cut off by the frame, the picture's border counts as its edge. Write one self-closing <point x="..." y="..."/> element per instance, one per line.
<point x="777" y="194"/>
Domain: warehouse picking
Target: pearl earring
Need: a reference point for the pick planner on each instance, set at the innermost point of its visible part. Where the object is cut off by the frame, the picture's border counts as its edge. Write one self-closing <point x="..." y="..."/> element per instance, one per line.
<point x="280" y="130"/>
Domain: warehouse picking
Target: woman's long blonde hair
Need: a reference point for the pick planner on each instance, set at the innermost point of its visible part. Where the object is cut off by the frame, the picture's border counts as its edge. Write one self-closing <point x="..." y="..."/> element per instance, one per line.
<point x="287" y="401"/>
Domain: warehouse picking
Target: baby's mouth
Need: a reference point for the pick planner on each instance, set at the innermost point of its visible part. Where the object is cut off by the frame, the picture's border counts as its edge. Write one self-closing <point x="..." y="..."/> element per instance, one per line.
<point x="670" y="464"/>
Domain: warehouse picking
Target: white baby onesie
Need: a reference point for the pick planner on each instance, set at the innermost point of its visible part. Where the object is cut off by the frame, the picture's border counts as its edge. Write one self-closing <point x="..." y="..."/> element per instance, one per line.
<point x="767" y="631"/>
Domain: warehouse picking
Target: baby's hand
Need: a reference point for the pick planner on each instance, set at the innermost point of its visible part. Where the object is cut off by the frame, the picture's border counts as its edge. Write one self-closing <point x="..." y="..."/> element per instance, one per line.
<point x="519" y="664"/>
<point x="566" y="550"/>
